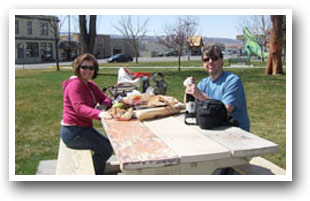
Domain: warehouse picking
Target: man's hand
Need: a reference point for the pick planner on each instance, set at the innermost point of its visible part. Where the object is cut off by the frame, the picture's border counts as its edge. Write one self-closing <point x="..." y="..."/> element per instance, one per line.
<point x="193" y="90"/>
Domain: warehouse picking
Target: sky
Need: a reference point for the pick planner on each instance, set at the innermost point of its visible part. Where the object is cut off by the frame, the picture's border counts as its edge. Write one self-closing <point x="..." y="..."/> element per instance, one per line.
<point x="220" y="26"/>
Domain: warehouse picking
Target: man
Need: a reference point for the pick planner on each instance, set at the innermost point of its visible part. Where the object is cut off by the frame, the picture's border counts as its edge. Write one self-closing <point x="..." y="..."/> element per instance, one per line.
<point x="221" y="85"/>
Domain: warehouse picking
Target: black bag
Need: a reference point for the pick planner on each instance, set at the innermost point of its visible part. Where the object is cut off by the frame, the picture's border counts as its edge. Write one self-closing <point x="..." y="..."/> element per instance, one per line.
<point x="211" y="113"/>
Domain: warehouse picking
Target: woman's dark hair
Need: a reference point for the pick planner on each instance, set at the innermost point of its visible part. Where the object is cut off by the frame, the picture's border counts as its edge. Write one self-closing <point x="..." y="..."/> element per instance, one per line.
<point x="80" y="59"/>
<point x="211" y="51"/>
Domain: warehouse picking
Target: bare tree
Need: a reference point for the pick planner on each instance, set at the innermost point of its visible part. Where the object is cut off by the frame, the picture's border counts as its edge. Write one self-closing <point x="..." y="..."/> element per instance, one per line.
<point x="133" y="33"/>
<point x="174" y="38"/>
<point x="274" y="64"/>
<point x="88" y="36"/>
<point x="55" y="31"/>
<point x="190" y="24"/>
<point x="259" y="26"/>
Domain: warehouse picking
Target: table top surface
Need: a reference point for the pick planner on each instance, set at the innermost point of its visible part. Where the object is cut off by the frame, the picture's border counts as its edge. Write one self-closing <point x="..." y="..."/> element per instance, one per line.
<point x="169" y="141"/>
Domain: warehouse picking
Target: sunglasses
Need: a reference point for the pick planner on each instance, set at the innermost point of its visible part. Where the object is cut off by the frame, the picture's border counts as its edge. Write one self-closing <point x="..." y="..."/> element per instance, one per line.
<point x="84" y="67"/>
<point x="207" y="59"/>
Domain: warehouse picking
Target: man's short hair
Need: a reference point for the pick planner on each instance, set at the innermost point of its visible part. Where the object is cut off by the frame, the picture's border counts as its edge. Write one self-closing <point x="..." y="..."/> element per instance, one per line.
<point x="211" y="51"/>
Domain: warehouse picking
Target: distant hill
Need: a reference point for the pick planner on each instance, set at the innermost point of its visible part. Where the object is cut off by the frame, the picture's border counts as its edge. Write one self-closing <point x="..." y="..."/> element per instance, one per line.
<point x="222" y="40"/>
<point x="205" y="39"/>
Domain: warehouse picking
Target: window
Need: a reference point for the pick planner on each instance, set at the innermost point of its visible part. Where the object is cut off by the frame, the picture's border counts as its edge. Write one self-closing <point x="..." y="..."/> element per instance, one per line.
<point x="16" y="26"/>
<point x="20" y="51"/>
<point x="29" y="28"/>
<point x="44" y="29"/>
<point x="32" y="50"/>
<point x="46" y="51"/>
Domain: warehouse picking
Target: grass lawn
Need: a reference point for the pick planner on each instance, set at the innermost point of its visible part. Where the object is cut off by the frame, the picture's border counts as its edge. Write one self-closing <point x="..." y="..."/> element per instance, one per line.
<point x="170" y="63"/>
<point x="38" y="108"/>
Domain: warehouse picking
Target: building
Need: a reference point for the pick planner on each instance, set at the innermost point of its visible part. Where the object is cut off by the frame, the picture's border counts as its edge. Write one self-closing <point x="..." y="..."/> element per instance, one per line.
<point x="69" y="48"/>
<point x="240" y="37"/>
<point x="105" y="46"/>
<point x="121" y="45"/>
<point x="153" y="49"/>
<point x="102" y="46"/>
<point x="35" y="38"/>
<point x="195" y="44"/>
<point x="234" y="49"/>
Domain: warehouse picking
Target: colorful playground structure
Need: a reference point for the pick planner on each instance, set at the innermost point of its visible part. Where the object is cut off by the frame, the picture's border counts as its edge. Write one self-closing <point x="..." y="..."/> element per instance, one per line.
<point x="252" y="46"/>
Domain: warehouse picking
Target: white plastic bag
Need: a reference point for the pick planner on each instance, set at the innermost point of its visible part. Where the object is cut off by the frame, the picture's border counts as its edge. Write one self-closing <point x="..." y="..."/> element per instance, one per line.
<point x="124" y="76"/>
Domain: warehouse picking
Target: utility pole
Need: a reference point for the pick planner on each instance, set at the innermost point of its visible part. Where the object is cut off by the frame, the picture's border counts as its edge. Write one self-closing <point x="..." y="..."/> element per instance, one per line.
<point x="69" y="37"/>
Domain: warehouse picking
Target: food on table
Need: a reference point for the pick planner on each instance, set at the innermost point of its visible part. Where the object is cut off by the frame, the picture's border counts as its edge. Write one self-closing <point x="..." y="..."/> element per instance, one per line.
<point x="119" y="112"/>
<point x="118" y="105"/>
<point x="149" y="100"/>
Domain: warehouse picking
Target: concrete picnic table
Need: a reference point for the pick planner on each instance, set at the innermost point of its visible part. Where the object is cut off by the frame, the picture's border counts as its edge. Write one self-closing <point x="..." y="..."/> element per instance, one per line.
<point x="169" y="146"/>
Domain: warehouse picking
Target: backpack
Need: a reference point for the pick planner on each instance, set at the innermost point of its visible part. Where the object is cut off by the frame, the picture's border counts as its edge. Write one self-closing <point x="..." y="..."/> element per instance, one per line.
<point x="211" y="113"/>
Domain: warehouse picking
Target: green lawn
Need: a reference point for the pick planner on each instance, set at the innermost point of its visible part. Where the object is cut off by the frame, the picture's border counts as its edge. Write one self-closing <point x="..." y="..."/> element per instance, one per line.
<point x="169" y="63"/>
<point x="38" y="108"/>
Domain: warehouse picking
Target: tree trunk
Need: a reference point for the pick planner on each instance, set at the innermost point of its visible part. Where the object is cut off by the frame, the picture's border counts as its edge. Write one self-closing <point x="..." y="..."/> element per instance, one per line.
<point x="57" y="57"/>
<point x="88" y="39"/>
<point x="274" y="63"/>
<point x="136" y="49"/>
<point x="262" y="54"/>
<point x="136" y="57"/>
<point x="56" y="48"/>
<point x="92" y="33"/>
<point x="83" y="33"/>
<point x="179" y="61"/>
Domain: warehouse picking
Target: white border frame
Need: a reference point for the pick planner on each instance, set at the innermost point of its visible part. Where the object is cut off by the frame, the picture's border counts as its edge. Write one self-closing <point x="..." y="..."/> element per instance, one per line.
<point x="287" y="12"/>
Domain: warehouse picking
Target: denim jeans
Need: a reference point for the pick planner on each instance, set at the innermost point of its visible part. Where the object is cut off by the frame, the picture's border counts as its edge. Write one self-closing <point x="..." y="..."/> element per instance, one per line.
<point x="76" y="137"/>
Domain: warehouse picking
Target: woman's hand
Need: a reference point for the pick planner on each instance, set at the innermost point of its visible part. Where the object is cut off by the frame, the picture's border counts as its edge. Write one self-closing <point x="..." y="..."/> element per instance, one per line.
<point x="105" y="115"/>
<point x="102" y="107"/>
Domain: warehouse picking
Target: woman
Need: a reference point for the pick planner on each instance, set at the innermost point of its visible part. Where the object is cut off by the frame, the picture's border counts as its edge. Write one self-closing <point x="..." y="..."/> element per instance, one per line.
<point x="81" y="96"/>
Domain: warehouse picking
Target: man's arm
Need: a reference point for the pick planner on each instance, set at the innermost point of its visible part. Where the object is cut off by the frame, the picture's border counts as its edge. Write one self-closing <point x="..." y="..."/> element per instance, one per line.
<point x="229" y="108"/>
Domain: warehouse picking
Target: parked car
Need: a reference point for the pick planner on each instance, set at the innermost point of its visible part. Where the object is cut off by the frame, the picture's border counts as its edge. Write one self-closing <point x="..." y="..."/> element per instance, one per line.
<point x="171" y="53"/>
<point x="160" y="54"/>
<point x="120" y="58"/>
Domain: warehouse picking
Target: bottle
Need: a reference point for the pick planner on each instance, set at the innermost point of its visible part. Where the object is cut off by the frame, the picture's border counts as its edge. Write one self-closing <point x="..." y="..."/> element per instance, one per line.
<point x="145" y="84"/>
<point x="189" y="100"/>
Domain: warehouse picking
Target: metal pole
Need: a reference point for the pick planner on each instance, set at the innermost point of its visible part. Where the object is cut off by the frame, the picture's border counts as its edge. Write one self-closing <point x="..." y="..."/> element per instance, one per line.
<point x="69" y="36"/>
<point x="23" y="56"/>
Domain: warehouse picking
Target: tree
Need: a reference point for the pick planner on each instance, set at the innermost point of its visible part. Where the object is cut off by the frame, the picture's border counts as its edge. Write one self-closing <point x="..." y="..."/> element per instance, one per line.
<point x="175" y="38"/>
<point x="259" y="26"/>
<point x="274" y="64"/>
<point x="133" y="33"/>
<point x="88" y="38"/>
<point x="284" y="38"/>
<point x="190" y="24"/>
<point x="55" y="31"/>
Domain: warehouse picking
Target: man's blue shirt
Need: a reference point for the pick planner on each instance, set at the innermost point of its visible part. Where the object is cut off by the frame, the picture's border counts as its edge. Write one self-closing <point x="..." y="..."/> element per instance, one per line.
<point x="228" y="88"/>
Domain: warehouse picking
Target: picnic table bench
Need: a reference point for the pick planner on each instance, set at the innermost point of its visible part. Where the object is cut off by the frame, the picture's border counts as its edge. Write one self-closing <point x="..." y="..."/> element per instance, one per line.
<point x="238" y="60"/>
<point x="168" y="146"/>
<point x="79" y="162"/>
